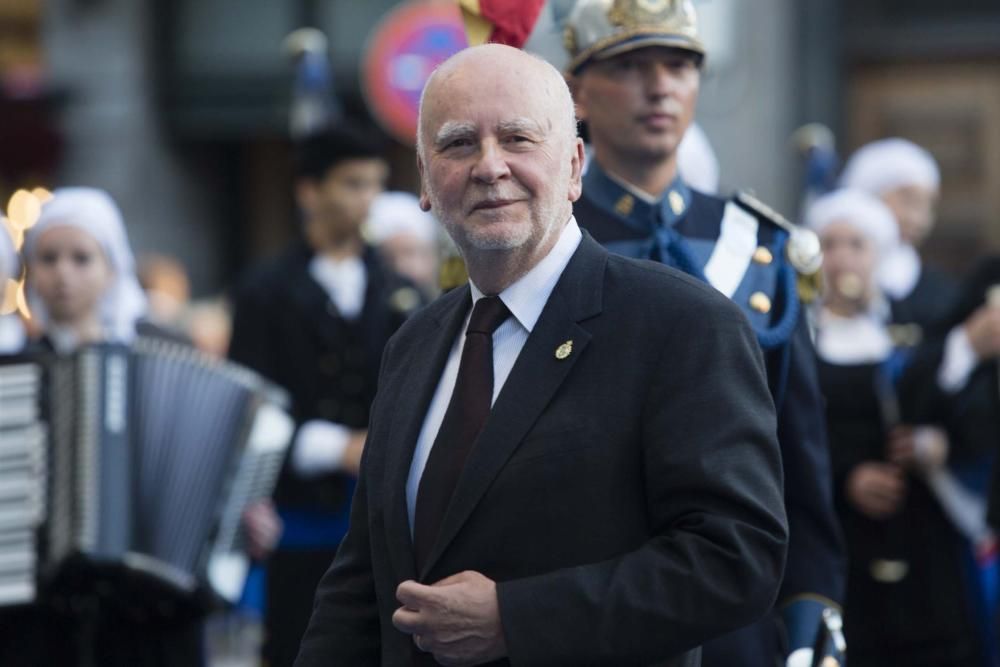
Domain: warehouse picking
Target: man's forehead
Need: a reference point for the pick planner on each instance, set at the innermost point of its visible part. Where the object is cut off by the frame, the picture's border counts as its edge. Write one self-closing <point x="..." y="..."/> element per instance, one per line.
<point x="488" y="111"/>
<point x="476" y="86"/>
<point x="488" y="88"/>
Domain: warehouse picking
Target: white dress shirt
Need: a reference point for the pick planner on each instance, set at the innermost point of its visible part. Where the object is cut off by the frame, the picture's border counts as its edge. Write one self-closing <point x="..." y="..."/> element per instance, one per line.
<point x="959" y="360"/>
<point x="320" y="445"/>
<point x="525" y="299"/>
<point x="344" y="281"/>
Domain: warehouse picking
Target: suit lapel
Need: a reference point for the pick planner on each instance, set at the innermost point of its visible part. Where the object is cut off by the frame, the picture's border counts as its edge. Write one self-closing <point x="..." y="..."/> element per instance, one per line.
<point x="535" y="378"/>
<point x="421" y="373"/>
<point x="303" y="290"/>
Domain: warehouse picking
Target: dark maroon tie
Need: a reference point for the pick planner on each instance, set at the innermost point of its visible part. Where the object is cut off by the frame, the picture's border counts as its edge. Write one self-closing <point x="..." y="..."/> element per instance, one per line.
<point x="463" y="421"/>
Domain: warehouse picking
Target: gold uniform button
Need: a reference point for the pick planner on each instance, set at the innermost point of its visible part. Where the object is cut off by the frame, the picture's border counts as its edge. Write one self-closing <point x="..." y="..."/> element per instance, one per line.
<point x="625" y="205"/>
<point x="762" y="255"/>
<point x="760" y="302"/>
<point x="676" y="202"/>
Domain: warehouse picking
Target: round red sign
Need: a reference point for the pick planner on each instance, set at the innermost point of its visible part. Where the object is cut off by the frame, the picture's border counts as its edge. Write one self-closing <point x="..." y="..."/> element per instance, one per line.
<point x="402" y="52"/>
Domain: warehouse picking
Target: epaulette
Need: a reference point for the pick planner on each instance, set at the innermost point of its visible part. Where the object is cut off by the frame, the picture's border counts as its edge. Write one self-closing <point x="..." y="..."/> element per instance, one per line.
<point x="803" y="248"/>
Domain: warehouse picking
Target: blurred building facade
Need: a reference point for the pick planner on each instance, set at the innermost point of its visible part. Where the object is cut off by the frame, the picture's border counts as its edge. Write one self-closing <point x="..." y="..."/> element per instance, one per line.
<point x="179" y="107"/>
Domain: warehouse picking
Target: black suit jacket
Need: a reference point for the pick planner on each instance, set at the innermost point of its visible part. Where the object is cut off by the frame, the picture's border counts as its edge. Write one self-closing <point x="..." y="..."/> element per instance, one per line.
<point x="627" y="499"/>
<point x="287" y="328"/>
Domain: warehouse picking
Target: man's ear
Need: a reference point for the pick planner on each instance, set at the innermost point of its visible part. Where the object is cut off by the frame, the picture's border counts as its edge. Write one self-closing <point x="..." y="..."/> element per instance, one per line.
<point x="576" y="173"/>
<point x="425" y="202"/>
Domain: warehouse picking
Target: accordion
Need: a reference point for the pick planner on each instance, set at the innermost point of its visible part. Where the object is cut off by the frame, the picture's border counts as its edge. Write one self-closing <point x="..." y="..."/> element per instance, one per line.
<point x="137" y="459"/>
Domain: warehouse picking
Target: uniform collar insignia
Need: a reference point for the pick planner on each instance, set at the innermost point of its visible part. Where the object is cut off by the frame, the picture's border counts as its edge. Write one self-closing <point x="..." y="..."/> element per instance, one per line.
<point x="633" y="207"/>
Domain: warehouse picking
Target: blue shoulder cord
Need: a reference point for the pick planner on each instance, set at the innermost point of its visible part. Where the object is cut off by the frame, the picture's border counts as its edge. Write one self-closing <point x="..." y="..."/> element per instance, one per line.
<point x="671" y="244"/>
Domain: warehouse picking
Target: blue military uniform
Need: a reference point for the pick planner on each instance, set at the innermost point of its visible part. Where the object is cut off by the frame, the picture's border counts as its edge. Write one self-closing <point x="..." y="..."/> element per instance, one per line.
<point x="741" y="249"/>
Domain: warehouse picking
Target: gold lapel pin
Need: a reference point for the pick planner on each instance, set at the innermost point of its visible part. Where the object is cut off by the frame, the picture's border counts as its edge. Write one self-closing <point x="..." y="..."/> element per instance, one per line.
<point x="564" y="350"/>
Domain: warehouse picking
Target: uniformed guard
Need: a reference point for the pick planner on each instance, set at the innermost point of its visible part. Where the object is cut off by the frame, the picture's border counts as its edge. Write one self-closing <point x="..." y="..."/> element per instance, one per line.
<point x="635" y="69"/>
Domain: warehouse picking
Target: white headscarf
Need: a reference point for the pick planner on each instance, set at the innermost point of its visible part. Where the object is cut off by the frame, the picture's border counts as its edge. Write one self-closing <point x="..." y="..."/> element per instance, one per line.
<point x="889" y="164"/>
<point x="862" y="338"/>
<point x="696" y="161"/>
<point x="861" y="210"/>
<point x="397" y="212"/>
<point x="10" y="263"/>
<point x="95" y="212"/>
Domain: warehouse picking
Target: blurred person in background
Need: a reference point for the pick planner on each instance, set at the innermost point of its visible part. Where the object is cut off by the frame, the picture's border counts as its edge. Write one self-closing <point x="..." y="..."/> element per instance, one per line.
<point x="943" y="352"/>
<point x="953" y="378"/>
<point x="635" y="72"/>
<point x="82" y="290"/>
<point x="907" y="602"/>
<point x="906" y="178"/>
<point x="168" y="289"/>
<point x="314" y="320"/>
<point x="407" y="237"/>
<point x="81" y="284"/>
<point x="206" y="323"/>
<point x="209" y="324"/>
<point x="12" y="334"/>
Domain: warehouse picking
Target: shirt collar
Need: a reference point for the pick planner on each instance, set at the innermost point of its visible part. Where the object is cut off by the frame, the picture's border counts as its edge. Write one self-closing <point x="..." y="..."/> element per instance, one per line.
<point x="636" y="207"/>
<point x="861" y="339"/>
<point x="344" y="281"/>
<point x="527" y="296"/>
<point x="64" y="339"/>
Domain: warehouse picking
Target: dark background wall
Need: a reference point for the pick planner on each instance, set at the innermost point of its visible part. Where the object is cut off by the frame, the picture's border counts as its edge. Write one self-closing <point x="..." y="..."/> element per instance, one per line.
<point x="179" y="107"/>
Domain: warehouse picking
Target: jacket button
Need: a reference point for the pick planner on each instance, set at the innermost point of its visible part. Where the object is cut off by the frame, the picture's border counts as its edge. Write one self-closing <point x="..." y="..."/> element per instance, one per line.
<point x="760" y="302"/>
<point x="762" y="255"/>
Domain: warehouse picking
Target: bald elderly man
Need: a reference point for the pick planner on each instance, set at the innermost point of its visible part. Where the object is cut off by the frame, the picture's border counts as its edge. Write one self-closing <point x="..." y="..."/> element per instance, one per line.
<point x="551" y="477"/>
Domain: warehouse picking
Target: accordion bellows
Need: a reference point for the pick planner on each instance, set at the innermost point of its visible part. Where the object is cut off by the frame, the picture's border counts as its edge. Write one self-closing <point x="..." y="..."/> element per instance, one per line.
<point x="139" y="457"/>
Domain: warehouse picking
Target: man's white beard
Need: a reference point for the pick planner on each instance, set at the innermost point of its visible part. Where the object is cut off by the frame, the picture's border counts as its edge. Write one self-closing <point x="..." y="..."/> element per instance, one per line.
<point x="498" y="237"/>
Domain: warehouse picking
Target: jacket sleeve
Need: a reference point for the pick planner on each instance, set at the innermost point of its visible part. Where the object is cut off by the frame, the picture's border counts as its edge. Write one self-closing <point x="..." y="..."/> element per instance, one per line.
<point x="713" y="485"/>
<point x="252" y="339"/>
<point x="817" y="561"/>
<point x="344" y="628"/>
